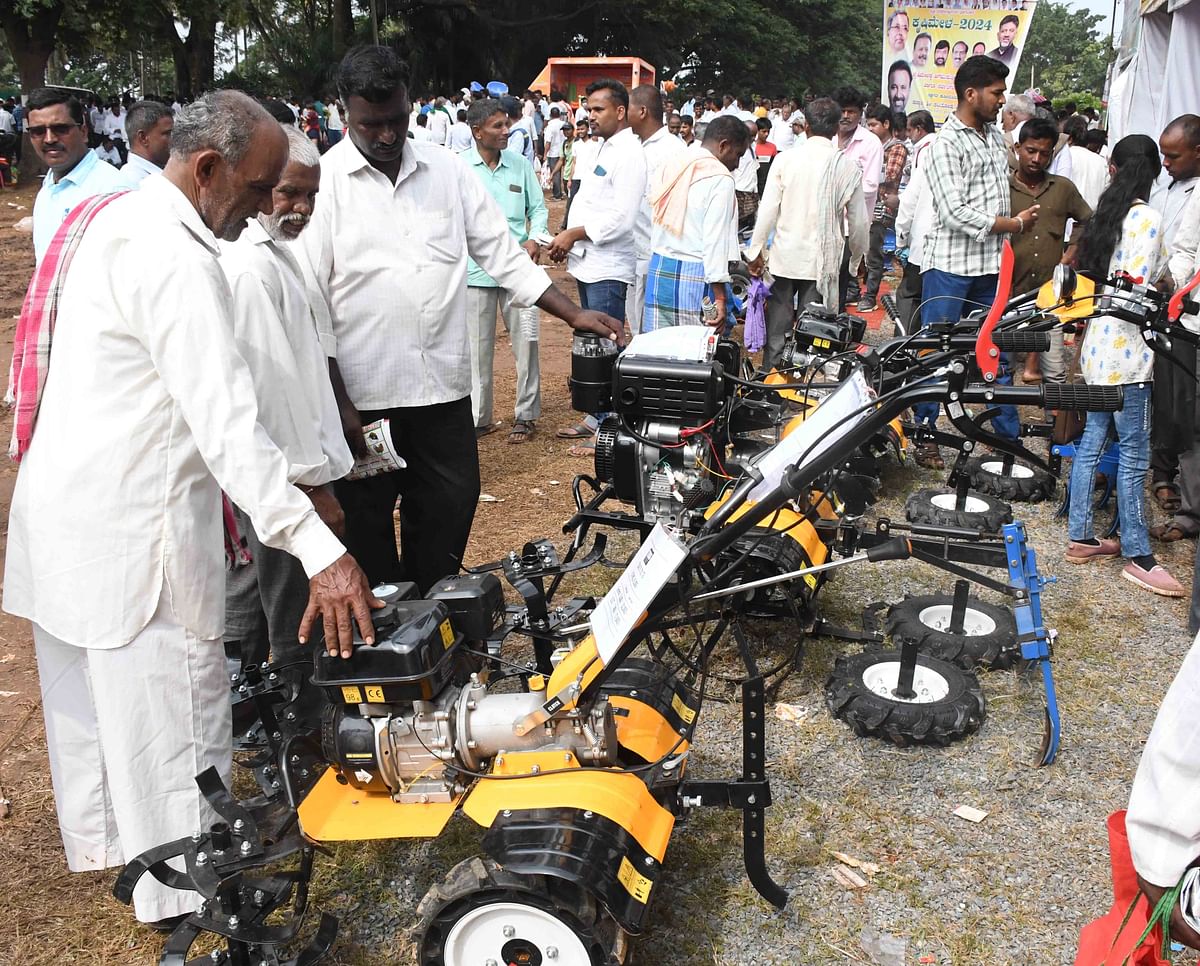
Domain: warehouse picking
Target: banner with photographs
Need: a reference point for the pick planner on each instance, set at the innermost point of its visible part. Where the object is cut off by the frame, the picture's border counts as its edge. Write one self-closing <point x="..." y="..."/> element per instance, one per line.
<point x="925" y="43"/>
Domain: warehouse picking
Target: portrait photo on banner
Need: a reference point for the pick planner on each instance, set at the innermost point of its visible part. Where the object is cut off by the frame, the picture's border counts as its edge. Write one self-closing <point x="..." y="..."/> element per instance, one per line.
<point x="925" y="42"/>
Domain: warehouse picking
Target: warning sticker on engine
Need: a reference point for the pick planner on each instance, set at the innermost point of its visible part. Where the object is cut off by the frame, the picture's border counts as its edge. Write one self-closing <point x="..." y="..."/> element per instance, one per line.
<point x="636" y="884"/>
<point x="447" y="634"/>
<point x="687" y="715"/>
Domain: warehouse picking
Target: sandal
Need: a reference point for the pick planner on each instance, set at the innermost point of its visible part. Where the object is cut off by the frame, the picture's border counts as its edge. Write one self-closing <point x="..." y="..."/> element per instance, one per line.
<point x="522" y="430"/>
<point x="578" y="431"/>
<point x="928" y="455"/>
<point x="587" y="450"/>
<point x="1169" y="533"/>
<point x="482" y="431"/>
<point x="1166" y="495"/>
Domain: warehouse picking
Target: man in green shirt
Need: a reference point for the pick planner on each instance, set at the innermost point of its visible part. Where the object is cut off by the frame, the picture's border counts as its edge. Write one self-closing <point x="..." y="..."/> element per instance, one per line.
<point x="1043" y="244"/>
<point x="511" y="181"/>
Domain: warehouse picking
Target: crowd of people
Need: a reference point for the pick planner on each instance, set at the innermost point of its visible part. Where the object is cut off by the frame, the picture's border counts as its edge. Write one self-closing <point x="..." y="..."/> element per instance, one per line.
<point x="237" y="291"/>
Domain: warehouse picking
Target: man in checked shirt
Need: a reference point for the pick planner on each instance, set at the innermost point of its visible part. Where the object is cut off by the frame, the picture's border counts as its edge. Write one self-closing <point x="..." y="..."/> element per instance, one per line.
<point x="968" y="178"/>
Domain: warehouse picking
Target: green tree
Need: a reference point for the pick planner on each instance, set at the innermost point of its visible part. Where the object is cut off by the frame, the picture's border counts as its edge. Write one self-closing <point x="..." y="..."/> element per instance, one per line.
<point x="1065" y="51"/>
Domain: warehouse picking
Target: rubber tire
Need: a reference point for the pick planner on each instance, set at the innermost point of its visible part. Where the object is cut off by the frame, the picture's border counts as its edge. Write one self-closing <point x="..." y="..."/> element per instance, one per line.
<point x="920" y="509"/>
<point x="1031" y="489"/>
<point x="903" y="723"/>
<point x="995" y="651"/>
<point x="476" y="881"/>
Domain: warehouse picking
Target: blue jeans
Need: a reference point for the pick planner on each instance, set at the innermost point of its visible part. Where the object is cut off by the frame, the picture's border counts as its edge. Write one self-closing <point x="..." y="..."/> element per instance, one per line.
<point x="947" y="298"/>
<point x="1132" y="426"/>
<point x="607" y="296"/>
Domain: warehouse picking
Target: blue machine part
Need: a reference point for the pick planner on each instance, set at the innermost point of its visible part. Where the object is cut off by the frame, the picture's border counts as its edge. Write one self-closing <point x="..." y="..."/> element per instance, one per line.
<point x="1032" y="634"/>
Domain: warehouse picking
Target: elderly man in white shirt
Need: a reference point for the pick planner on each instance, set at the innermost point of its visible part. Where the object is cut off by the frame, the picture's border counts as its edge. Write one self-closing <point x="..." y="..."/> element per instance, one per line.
<point x="914" y="219"/>
<point x="812" y="191"/>
<point x="60" y="141"/>
<point x="659" y="145"/>
<point x="694" y="237"/>
<point x="114" y="546"/>
<point x="148" y="125"/>
<point x="388" y="250"/>
<point x="276" y="333"/>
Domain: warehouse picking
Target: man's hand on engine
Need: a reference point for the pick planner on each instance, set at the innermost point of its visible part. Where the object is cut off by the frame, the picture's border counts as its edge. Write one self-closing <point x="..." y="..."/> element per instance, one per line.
<point x="342" y="597"/>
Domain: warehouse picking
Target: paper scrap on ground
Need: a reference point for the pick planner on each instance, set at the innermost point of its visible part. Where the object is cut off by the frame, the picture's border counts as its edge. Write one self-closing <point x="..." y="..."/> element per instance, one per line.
<point x="870" y="868"/>
<point x="488" y="498"/>
<point x="623" y="606"/>
<point x="9" y="694"/>
<point x="975" y="815"/>
<point x="381" y="454"/>
<point x="848" y="878"/>
<point x="536" y="492"/>
<point x="790" y="712"/>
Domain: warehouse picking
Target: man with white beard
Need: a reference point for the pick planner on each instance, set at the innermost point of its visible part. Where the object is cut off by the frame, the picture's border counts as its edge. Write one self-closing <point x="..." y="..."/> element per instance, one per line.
<point x="278" y="336"/>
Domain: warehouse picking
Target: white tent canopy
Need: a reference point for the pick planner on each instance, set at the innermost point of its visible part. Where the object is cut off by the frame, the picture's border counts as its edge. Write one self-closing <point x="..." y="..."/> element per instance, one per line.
<point x="1156" y="77"/>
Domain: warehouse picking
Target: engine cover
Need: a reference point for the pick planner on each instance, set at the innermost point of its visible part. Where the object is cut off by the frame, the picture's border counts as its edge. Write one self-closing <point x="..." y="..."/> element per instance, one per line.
<point x="686" y="393"/>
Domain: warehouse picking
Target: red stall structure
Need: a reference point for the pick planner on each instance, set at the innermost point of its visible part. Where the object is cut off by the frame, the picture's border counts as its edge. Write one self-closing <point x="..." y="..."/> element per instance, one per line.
<point x="571" y="75"/>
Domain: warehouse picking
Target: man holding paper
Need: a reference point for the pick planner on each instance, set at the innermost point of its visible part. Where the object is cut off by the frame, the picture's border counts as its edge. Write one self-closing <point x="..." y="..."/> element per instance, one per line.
<point x="513" y="184"/>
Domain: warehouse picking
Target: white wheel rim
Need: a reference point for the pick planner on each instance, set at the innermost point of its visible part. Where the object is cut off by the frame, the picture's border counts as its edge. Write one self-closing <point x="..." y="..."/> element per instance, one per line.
<point x="882" y="678"/>
<point x="1017" y="472"/>
<point x="975" y="622"/>
<point x="480" y="936"/>
<point x="946" y="501"/>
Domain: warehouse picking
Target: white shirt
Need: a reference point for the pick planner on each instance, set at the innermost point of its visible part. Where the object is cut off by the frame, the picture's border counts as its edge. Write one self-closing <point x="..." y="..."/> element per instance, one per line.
<point x="554" y="137"/>
<point x="390" y="262"/>
<point x="585" y="158"/>
<point x="420" y="133"/>
<point x="112" y="155"/>
<point x="57" y="196"/>
<point x="138" y="169"/>
<point x="333" y="122"/>
<point x="460" y="137"/>
<point x="521" y="139"/>
<point x="782" y="135"/>
<point x="1163" y="821"/>
<point x="745" y="178"/>
<point x="114" y="125"/>
<point x="915" y="215"/>
<point x="709" y="229"/>
<point x="658" y="148"/>
<point x="438" y="126"/>
<point x="1171" y="198"/>
<point x="148" y="413"/>
<point x="1089" y="172"/>
<point x="581" y="113"/>
<point x="276" y="333"/>
<point x="7" y="124"/>
<point x="790" y="208"/>
<point x="607" y="206"/>
<point x="1184" y="251"/>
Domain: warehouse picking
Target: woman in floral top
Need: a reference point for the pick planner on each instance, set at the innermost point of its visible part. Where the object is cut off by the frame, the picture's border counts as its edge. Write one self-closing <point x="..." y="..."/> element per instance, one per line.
<point x="1124" y="235"/>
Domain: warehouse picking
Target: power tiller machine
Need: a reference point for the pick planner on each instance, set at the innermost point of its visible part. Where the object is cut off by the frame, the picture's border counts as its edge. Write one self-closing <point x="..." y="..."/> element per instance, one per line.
<point x="576" y="764"/>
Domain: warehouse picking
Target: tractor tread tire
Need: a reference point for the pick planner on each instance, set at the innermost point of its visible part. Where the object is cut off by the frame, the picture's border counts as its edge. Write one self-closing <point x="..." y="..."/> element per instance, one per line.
<point x="995" y="651"/>
<point x="905" y="723"/>
<point x="479" y="878"/>
<point x="920" y="509"/>
<point x="1014" y="489"/>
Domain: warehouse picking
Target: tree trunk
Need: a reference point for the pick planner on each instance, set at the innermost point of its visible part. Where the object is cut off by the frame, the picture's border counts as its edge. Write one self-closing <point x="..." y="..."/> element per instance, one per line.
<point x="31" y="40"/>
<point x="195" y="58"/>
<point x="343" y="26"/>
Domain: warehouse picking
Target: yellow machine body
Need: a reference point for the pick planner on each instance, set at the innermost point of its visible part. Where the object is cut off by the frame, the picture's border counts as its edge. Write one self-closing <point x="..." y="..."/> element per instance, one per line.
<point x="1081" y="306"/>
<point x="337" y="812"/>
<point x="793" y="526"/>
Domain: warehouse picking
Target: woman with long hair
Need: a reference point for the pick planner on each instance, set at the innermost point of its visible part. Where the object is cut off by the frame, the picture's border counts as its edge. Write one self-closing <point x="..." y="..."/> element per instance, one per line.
<point x="1124" y="235"/>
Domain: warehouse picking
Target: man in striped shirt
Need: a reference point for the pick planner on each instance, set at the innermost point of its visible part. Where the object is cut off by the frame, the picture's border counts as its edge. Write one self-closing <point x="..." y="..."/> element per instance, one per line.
<point x="968" y="179"/>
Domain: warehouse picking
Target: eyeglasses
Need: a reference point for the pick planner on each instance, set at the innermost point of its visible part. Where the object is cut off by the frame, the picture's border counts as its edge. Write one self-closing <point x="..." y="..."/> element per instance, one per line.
<point x="58" y="130"/>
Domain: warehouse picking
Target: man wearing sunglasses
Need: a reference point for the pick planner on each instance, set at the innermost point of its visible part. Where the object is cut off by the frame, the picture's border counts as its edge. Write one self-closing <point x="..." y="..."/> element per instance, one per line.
<point x="59" y="138"/>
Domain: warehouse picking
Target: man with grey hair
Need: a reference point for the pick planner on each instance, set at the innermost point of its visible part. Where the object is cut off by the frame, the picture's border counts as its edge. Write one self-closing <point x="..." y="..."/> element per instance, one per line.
<point x="1018" y="109"/>
<point x="277" y="334"/>
<point x="148" y="127"/>
<point x="146" y="415"/>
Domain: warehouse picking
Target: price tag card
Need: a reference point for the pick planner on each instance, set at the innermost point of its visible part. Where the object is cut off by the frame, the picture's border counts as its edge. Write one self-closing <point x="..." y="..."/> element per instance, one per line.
<point x="623" y="606"/>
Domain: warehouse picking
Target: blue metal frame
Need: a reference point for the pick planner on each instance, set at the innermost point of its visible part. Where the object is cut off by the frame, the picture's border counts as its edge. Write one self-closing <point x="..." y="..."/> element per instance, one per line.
<point x="1035" y="638"/>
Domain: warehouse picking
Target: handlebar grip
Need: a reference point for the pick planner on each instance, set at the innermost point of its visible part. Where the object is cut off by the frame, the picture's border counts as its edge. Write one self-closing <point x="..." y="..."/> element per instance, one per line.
<point x="1022" y="340"/>
<point x="1077" y="396"/>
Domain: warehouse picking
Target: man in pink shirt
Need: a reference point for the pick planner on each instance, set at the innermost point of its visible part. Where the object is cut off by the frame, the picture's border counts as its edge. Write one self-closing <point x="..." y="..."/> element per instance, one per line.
<point x="866" y="151"/>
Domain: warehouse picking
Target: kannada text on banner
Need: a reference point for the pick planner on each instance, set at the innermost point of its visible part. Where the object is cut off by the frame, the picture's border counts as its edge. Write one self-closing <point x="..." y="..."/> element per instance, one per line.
<point x="923" y="46"/>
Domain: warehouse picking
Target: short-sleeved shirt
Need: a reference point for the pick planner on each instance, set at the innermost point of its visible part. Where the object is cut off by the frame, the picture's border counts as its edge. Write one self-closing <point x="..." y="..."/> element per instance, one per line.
<point x="1114" y="352"/>
<point x="514" y="186"/>
<point x="1040" y="246"/>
